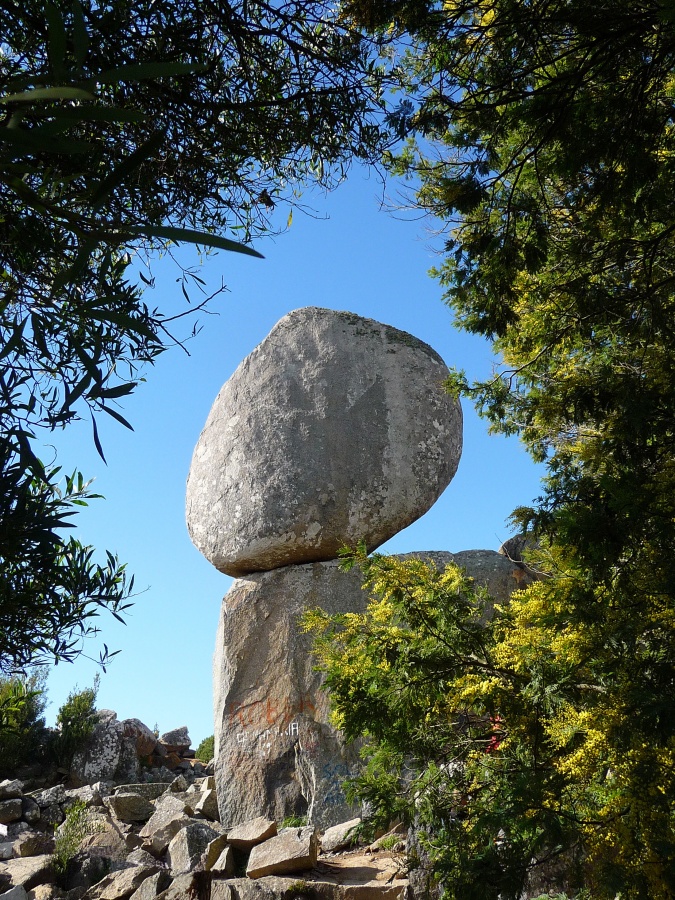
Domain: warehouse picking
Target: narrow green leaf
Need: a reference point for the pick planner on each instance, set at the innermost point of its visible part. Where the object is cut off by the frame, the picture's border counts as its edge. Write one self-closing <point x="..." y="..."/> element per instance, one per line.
<point x="187" y="235"/>
<point x="148" y="71"/>
<point x="38" y="335"/>
<point x="78" y="390"/>
<point x="97" y="442"/>
<point x="56" y="41"/>
<point x="48" y="93"/>
<point x="112" y="393"/>
<point x="118" y="417"/>
<point x="80" y="36"/>
<point x="87" y="362"/>
<point x="15" y="340"/>
<point x="125" y="168"/>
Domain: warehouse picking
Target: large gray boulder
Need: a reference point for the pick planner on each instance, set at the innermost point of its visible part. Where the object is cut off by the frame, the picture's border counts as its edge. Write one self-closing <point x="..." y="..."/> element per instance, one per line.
<point x="109" y="754"/>
<point x="335" y="429"/>
<point x="276" y="753"/>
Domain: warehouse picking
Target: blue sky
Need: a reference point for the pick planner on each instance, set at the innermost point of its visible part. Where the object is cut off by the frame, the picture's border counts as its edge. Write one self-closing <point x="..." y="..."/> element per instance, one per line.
<point x="350" y="255"/>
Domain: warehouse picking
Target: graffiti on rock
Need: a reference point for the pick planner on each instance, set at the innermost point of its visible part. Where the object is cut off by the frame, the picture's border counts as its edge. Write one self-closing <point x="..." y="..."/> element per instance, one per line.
<point x="269" y="727"/>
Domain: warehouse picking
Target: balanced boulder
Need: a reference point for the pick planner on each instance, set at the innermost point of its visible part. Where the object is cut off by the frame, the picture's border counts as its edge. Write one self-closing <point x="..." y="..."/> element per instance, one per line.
<point x="335" y="429"/>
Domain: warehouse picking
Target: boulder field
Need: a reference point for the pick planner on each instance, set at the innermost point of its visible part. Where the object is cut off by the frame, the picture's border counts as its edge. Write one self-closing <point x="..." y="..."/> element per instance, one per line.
<point x="159" y="841"/>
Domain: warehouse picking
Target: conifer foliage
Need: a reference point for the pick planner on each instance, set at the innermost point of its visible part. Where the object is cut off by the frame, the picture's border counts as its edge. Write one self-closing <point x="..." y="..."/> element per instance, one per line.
<point x="542" y="136"/>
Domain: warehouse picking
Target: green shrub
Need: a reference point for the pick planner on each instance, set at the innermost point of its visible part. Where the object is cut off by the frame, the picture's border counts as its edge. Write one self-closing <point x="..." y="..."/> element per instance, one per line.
<point x="294" y="822"/>
<point x="205" y="750"/>
<point x="75" y="721"/>
<point x="23" y="699"/>
<point x="389" y="841"/>
<point x="70" y="834"/>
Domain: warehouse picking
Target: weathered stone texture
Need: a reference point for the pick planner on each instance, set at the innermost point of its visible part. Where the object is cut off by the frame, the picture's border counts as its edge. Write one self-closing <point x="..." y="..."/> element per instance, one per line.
<point x="28" y="871"/>
<point x="186" y="848"/>
<point x="10" y="789"/>
<point x="167" y="820"/>
<point x="10" y="810"/>
<point x="119" y="885"/>
<point x="294" y="850"/>
<point x="251" y="832"/>
<point x="109" y="755"/>
<point x="276" y="754"/>
<point x="335" y="429"/>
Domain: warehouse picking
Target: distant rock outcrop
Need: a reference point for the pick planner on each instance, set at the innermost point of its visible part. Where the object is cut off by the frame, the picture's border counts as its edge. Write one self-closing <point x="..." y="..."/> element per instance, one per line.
<point x="121" y="751"/>
<point x="489" y="569"/>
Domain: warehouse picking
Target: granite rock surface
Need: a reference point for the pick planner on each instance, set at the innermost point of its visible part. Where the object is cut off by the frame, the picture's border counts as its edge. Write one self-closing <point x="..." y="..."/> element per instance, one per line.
<point x="335" y="429"/>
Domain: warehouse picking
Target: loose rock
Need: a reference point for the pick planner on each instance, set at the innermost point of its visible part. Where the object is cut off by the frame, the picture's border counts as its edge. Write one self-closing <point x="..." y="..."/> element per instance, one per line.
<point x="294" y="850"/>
<point x="145" y="738"/>
<point x="29" y="871"/>
<point x="207" y="805"/>
<point x="213" y="852"/>
<point x="119" y="885"/>
<point x="18" y="892"/>
<point x="176" y="740"/>
<point x="10" y="810"/>
<point x="188" y="845"/>
<point x="30" y="811"/>
<point x="167" y="820"/>
<point x="33" y="843"/>
<point x="225" y="865"/>
<point x="10" y="789"/>
<point x="255" y="831"/>
<point x="339" y="836"/>
<point x="130" y="807"/>
<point x="152" y="886"/>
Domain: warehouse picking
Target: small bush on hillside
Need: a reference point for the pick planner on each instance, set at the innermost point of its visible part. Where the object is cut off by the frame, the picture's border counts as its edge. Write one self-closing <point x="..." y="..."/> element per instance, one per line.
<point x="70" y="834"/>
<point x="205" y="750"/>
<point x="23" y="699"/>
<point x="76" y="720"/>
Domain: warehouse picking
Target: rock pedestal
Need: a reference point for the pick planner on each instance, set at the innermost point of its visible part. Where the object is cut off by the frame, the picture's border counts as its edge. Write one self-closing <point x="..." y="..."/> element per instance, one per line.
<point x="275" y="753"/>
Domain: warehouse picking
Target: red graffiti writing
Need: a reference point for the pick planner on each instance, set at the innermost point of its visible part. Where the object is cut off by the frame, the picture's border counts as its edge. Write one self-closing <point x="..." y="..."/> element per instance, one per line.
<point x="260" y="713"/>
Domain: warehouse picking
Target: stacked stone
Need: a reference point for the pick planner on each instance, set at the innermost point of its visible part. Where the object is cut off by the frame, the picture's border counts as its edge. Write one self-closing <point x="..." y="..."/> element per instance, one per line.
<point x="336" y="429"/>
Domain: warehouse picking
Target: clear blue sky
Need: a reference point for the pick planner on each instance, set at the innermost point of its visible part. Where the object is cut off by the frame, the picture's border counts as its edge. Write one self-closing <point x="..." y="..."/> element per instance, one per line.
<point x="352" y="256"/>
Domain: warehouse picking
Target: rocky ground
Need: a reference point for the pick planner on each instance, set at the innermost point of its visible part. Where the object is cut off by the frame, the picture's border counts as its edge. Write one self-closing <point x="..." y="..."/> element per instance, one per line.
<point x="164" y="840"/>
